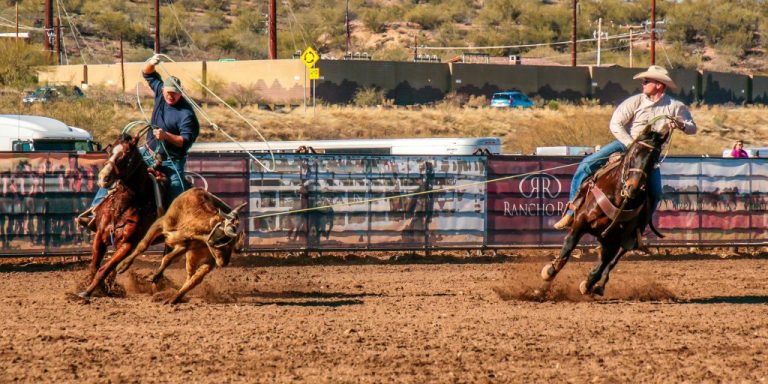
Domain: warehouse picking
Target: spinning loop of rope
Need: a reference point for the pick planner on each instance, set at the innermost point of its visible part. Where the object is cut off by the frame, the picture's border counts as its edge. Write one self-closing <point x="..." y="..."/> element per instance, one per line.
<point x="215" y="126"/>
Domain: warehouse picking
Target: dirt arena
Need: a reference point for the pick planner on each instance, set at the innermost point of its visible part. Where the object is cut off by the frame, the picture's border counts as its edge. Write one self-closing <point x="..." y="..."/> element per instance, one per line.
<point x="665" y="319"/>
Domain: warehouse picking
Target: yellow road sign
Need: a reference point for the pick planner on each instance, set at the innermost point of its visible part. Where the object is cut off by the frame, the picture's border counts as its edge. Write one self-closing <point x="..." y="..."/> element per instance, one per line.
<point x="314" y="73"/>
<point x="309" y="57"/>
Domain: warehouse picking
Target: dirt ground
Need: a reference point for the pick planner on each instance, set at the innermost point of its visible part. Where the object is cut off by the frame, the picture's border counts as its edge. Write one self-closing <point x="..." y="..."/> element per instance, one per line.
<point x="664" y="319"/>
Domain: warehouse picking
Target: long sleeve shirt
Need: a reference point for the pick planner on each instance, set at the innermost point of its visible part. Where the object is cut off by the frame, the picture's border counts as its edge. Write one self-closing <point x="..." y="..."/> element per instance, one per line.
<point x="632" y="115"/>
<point x="178" y="119"/>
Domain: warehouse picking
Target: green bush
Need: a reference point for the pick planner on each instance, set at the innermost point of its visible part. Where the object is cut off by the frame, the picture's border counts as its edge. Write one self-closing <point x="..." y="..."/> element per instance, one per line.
<point x="426" y="15"/>
<point x="18" y="63"/>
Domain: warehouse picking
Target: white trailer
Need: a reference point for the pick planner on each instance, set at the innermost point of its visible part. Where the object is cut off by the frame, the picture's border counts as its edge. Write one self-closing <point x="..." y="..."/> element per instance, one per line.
<point x="24" y="133"/>
<point x="419" y="146"/>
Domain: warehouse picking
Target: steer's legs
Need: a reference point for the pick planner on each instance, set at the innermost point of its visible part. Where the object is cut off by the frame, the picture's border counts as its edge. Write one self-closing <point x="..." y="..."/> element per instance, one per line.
<point x="572" y="238"/>
<point x="195" y="273"/>
<point x="167" y="260"/>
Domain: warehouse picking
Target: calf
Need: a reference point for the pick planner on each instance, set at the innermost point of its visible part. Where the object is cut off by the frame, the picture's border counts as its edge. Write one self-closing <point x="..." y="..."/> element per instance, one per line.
<point x="200" y="226"/>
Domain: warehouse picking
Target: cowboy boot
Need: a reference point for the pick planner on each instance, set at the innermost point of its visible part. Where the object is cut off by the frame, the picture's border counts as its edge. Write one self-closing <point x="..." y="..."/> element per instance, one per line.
<point x="87" y="220"/>
<point x="565" y="221"/>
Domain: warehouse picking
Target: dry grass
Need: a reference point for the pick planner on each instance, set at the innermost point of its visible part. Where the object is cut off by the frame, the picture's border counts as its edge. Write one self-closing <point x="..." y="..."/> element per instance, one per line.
<point x="521" y="130"/>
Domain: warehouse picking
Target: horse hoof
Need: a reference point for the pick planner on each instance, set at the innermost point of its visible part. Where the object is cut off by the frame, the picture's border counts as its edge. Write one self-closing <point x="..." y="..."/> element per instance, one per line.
<point x="598" y="290"/>
<point x="84" y="295"/>
<point x="583" y="288"/>
<point x="548" y="272"/>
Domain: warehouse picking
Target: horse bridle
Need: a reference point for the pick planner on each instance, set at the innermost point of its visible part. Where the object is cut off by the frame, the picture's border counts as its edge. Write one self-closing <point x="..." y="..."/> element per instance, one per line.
<point x="131" y="169"/>
<point x="643" y="174"/>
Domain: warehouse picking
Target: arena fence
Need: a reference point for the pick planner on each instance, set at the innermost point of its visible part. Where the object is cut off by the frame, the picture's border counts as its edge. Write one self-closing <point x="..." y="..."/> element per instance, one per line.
<point x="370" y="202"/>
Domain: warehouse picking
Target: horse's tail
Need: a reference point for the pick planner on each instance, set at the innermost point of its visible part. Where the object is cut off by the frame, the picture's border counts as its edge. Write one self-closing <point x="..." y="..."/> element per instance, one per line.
<point x="654" y="230"/>
<point x="155" y="230"/>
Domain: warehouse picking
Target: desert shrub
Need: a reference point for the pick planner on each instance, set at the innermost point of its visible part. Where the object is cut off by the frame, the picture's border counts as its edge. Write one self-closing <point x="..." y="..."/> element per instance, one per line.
<point x="427" y="15"/>
<point x="368" y="97"/>
<point x="589" y="102"/>
<point x="452" y="100"/>
<point x="477" y="101"/>
<point x="18" y="63"/>
<point x="553" y="105"/>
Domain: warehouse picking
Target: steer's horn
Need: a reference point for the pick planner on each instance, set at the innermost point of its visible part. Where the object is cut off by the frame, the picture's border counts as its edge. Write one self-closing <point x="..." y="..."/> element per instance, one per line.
<point x="233" y="214"/>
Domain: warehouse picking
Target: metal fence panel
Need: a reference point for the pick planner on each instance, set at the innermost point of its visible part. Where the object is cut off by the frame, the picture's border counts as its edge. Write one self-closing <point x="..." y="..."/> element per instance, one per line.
<point x="364" y="206"/>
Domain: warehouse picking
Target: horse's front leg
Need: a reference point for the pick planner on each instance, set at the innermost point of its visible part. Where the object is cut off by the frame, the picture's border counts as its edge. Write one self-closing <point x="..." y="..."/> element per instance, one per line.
<point x="572" y="238"/>
<point x="120" y="253"/>
<point x="599" y="288"/>
<point x="608" y="252"/>
<point x="98" y="250"/>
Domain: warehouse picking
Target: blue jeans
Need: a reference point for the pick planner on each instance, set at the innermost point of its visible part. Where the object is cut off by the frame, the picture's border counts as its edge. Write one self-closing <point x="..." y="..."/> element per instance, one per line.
<point x="173" y="168"/>
<point x="593" y="162"/>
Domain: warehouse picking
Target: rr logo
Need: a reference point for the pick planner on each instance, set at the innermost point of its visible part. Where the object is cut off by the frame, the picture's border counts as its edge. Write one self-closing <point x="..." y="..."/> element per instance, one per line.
<point x="540" y="185"/>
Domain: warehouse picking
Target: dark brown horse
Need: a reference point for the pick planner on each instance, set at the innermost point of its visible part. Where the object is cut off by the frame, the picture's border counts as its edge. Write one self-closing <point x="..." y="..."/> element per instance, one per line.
<point x="125" y="215"/>
<point x="614" y="206"/>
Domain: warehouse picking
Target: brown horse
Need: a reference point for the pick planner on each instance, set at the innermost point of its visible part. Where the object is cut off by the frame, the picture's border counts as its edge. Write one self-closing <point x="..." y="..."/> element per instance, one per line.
<point x="125" y="215"/>
<point x="614" y="206"/>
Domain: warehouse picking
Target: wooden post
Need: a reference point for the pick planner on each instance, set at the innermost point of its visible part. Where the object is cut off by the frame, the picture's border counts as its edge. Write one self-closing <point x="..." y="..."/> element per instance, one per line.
<point x="573" y="34"/>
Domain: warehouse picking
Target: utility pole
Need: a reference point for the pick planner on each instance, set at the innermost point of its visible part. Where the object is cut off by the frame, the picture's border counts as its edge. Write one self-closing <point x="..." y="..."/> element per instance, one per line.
<point x="573" y="35"/>
<point x="346" y="21"/>
<point x="653" y="32"/>
<point x="57" y="30"/>
<point x="157" y="26"/>
<point x="273" y="30"/>
<point x="17" y="23"/>
<point x="599" y="37"/>
<point x="48" y="25"/>
<point x="415" y="46"/>
<point x="630" y="46"/>
<point x="122" y="65"/>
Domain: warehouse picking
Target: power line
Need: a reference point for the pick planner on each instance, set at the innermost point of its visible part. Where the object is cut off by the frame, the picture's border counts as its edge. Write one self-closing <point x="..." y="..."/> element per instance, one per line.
<point x="63" y="47"/>
<point x="620" y="36"/>
<point x="178" y="21"/>
<point x="76" y="32"/>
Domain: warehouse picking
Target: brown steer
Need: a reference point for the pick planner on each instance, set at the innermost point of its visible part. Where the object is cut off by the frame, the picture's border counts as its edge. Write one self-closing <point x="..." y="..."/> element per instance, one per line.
<point x="199" y="225"/>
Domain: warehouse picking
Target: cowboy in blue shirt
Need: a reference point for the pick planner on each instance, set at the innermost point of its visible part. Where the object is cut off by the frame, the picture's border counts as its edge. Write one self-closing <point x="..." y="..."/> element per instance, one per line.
<point x="175" y="129"/>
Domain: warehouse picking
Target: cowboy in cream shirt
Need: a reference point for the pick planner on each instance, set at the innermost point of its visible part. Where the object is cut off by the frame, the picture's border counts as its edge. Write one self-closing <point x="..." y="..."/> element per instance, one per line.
<point x="627" y="123"/>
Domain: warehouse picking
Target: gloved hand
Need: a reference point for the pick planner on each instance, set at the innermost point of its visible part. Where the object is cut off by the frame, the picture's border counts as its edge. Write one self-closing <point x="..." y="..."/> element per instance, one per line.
<point x="154" y="60"/>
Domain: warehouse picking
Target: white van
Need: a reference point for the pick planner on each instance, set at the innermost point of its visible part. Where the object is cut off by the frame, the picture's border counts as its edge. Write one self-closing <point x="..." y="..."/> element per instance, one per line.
<point x="24" y="133"/>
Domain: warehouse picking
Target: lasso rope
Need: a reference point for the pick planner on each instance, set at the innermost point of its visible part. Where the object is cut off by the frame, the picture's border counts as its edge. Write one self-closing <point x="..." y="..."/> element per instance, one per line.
<point x="200" y="110"/>
<point x="439" y="190"/>
<point x="450" y="188"/>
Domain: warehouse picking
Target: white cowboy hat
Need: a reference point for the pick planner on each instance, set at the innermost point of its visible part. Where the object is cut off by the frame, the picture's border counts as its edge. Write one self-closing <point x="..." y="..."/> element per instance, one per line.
<point x="659" y="74"/>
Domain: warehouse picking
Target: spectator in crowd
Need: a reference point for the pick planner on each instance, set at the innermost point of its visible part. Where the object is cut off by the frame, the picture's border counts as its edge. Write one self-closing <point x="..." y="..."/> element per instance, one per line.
<point x="738" y="151"/>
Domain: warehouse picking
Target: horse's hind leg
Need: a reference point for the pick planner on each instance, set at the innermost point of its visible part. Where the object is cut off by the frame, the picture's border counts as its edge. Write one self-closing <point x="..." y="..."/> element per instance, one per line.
<point x="551" y="270"/>
<point x="608" y="251"/>
<point x="599" y="288"/>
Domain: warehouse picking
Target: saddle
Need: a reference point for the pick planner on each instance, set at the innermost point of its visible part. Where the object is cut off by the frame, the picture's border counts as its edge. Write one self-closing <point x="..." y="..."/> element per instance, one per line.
<point x="613" y="161"/>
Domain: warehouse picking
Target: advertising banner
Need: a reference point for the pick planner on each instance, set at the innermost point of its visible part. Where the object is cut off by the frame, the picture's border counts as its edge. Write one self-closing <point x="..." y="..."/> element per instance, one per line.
<point x="356" y="201"/>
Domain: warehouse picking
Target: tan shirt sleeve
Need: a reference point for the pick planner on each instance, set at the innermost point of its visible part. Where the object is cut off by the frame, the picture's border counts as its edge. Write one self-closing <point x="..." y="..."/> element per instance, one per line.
<point x="683" y="114"/>
<point x="622" y="120"/>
